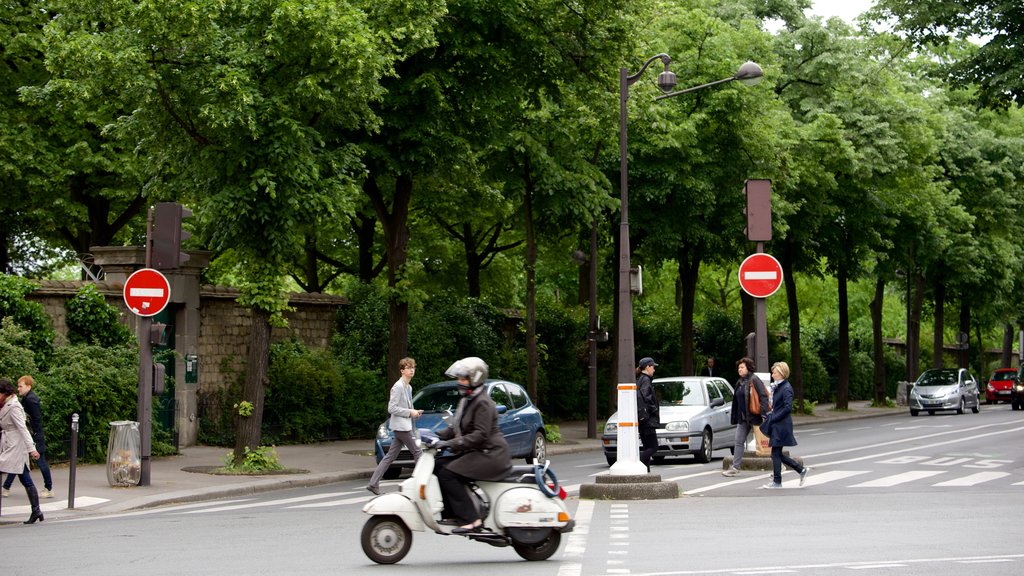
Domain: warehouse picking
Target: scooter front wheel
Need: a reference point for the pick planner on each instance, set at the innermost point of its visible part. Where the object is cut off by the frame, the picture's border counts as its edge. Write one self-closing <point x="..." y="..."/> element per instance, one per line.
<point x="541" y="550"/>
<point x="386" y="539"/>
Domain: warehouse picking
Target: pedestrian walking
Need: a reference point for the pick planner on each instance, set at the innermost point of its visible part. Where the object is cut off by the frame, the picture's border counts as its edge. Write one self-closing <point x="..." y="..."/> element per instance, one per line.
<point x="741" y="415"/>
<point x="647" y="410"/>
<point x="778" y="426"/>
<point x="403" y="422"/>
<point x="34" y="412"/>
<point x="16" y="445"/>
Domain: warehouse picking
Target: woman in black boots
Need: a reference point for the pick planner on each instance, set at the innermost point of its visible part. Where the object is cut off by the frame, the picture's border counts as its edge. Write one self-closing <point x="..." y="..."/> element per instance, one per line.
<point x="16" y="445"/>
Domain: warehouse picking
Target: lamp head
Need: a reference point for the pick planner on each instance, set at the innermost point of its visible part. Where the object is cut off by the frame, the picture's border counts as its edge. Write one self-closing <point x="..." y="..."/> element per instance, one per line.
<point x="667" y="80"/>
<point x="749" y="74"/>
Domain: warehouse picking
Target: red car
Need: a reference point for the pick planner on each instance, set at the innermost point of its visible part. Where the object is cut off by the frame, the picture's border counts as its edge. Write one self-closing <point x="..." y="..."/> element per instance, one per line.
<point x="999" y="385"/>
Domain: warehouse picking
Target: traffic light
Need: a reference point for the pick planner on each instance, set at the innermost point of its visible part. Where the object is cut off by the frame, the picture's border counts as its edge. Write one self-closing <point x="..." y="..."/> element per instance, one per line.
<point x="167" y="235"/>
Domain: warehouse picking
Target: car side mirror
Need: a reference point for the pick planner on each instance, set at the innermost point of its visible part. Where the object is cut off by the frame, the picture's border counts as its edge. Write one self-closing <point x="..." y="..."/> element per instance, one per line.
<point x="717" y="402"/>
<point x="502" y="408"/>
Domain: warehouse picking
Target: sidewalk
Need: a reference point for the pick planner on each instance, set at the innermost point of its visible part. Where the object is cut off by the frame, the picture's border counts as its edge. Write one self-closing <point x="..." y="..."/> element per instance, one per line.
<point x="323" y="463"/>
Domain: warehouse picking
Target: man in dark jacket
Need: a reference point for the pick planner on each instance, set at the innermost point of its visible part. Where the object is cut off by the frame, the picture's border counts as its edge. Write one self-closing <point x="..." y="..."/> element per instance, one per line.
<point x="647" y="411"/>
<point x="34" y="415"/>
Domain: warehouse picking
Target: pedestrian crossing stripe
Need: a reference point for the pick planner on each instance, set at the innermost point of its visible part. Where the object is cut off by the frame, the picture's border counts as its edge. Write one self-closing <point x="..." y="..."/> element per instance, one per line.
<point x="896" y="479"/>
<point x="974" y="479"/>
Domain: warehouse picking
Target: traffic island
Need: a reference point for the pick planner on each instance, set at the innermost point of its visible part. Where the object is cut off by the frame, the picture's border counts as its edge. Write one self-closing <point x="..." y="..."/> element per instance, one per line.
<point x="629" y="487"/>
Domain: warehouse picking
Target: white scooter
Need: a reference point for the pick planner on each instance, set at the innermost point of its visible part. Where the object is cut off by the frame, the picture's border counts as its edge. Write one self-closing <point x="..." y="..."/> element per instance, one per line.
<point x="525" y="510"/>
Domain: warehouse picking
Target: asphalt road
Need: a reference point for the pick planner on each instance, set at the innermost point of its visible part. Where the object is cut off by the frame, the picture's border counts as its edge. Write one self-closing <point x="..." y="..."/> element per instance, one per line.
<point x="936" y="495"/>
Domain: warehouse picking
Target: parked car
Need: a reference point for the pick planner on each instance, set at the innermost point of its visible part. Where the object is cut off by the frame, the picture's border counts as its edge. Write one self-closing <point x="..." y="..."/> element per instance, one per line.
<point x="1017" y="391"/>
<point x="1000" y="385"/>
<point x="695" y="414"/>
<point x="945" y="389"/>
<point x="520" y="421"/>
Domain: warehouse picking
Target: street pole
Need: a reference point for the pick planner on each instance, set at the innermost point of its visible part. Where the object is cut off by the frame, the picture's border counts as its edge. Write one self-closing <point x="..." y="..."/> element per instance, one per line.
<point x="592" y="335"/>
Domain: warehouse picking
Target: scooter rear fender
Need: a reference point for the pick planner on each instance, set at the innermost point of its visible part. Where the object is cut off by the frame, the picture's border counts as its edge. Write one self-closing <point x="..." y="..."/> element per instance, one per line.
<point x="527" y="507"/>
<point x="396" y="505"/>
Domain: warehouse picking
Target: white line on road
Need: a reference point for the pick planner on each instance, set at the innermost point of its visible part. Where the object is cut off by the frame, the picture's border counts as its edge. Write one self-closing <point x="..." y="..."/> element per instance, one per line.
<point x="974" y="479"/>
<point x="897" y="479"/>
<point x="266" y="503"/>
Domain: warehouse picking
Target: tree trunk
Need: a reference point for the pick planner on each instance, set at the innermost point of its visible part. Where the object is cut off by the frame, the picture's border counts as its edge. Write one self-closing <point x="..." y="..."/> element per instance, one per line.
<point x="963" y="339"/>
<point x="689" y="258"/>
<point x="914" y="344"/>
<point x="1006" y="357"/>
<point x="940" y="325"/>
<point x="796" y="375"/>
<point x="395" y="222"/>
<point x="248" y="429"/>
<point x="531" y="294"/>
<point x="877" y="345"/>
<point x="843" y="385"/>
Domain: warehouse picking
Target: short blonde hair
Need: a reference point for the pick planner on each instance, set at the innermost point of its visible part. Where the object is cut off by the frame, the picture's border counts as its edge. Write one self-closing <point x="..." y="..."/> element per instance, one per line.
<point x="27" y="380"/>
<point x="783" y="369"/>
<point x="406" y="363"/>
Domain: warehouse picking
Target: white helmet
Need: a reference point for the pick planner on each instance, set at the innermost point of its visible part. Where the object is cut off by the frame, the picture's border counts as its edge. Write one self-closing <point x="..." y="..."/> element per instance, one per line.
<point x="470" y="367"/>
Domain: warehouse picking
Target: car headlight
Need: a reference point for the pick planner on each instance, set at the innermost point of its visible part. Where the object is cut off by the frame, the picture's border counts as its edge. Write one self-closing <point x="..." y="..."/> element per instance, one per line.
<point x="991" y="388"/>
<point x="382" y="432"/>
<point x="678" y="426"/>
<point x="1019" y="387"/>
<point x="611" y="428"/>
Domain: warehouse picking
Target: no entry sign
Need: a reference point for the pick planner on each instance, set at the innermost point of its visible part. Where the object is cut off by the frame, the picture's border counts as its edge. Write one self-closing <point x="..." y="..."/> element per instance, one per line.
<point x="146" y="292"/>
<point x="760" y="275"/>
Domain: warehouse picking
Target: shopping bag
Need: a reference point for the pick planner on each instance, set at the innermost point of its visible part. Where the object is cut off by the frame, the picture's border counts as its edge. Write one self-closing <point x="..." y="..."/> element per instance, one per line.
<point x="761" y="441"/>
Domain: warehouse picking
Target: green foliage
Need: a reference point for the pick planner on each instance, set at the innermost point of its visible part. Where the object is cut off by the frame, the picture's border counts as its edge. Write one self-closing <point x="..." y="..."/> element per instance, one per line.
<point x="91" y="320"/>
<point x="552" y="433"/>
<point x="262" y="459"/>
<point x="16" y="358"/>
<point x="28" y="315"/>
<point x="98" y="383"/>
<point x="720" y="335"/>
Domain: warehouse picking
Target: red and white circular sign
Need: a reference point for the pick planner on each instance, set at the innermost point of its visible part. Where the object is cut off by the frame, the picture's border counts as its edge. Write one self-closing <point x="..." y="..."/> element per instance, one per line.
<point x="760" y="275"/>
<point x="147" y="292"/>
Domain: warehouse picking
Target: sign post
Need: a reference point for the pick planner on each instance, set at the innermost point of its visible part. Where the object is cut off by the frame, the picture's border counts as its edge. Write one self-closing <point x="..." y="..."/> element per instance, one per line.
<point x="760" y="276"/>
<point x="146" y="293"/>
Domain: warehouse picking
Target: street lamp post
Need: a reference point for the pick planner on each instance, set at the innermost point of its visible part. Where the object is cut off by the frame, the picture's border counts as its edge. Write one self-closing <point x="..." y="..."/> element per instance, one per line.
<point x="628" y="442"/>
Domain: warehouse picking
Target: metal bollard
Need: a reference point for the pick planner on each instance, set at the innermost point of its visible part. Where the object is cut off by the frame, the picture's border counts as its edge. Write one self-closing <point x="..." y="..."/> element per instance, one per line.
<point x="74" y="461"/>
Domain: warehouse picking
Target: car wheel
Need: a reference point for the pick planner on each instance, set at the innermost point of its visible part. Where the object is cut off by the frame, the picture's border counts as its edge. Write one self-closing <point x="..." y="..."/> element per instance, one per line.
<point x="963" y="404"/>
<point x="704" y="456"/>
<point x="392" y="473"/>
<point x="914" y="412"/>
<point x="610" y="459"/>
<point x="539" y="450"/>
<point x="976" y="408"/>
<point x="931" y="412"/>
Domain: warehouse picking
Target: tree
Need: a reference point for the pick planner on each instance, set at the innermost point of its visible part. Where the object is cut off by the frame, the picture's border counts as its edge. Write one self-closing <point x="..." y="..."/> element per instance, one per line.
<point x="995" y="69"/>
<point x="242" y="106"/>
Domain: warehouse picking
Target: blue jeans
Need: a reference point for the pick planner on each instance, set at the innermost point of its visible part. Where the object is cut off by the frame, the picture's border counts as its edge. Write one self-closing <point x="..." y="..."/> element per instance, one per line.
<point x="25" y="477"/>
<point x="44" y="468"/>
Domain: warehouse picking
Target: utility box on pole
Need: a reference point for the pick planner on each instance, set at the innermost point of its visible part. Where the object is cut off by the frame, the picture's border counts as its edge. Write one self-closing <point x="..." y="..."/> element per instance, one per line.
<point x="759" y="210"/>
<point x="167" y="235"/>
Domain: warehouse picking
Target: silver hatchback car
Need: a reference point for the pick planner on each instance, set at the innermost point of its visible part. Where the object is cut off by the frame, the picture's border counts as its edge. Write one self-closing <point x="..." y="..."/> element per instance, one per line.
<point x="945" y="389"/>
<point x="695" y="419"/>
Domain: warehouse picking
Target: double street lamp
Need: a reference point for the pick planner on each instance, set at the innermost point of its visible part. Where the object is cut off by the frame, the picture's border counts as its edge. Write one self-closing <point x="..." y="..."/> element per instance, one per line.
<point x="627" y="460"/>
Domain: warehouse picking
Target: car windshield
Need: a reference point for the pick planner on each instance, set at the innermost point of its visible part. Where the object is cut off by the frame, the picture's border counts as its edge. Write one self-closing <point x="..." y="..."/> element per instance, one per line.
<point x="1004" y="376"/>
<point x="678" y="394"/>
<point x="437" y="399"/>
<point x="937" y="378"/>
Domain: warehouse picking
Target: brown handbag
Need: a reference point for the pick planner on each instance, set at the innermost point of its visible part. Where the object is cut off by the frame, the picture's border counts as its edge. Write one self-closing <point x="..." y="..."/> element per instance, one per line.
<point x="753" y="400"/>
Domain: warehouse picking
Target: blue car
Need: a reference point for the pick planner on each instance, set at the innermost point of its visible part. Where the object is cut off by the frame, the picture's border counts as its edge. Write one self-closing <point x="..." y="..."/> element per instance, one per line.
<point x="519" y="420"/>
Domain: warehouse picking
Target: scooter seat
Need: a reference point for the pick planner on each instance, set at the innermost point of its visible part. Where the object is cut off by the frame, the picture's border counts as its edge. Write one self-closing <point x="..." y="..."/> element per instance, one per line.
<point x="522" y="474"/>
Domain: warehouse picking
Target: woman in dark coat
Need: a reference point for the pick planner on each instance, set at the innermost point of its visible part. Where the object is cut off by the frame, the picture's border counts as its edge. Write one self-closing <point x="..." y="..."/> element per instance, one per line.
<point x="479" y="451"/>
<point x="778" y="426"/>
<point x="740" y="414"/>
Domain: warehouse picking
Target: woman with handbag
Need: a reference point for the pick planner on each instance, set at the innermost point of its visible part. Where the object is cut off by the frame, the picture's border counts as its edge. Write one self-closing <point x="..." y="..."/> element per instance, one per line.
<point x="778" y="426"/>
<point x="749" y="401"/>
<point x="16" y="445"/>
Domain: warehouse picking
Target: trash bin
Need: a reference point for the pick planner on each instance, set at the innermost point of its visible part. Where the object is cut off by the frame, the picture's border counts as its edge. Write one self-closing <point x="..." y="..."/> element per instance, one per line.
<point x="124" y="454"/>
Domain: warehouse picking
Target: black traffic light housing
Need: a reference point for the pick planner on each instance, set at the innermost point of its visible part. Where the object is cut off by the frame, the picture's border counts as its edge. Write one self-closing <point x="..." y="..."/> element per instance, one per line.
<point x="167" y="235"/>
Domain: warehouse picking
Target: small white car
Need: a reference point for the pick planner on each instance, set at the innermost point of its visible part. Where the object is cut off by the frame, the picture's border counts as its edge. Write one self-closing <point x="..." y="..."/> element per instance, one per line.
<point x="695" y="419"/>
<point x="945" y="389"/>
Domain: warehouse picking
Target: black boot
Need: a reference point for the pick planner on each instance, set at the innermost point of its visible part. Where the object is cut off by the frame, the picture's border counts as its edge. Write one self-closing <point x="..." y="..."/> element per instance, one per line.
<point x="33" y="499"/>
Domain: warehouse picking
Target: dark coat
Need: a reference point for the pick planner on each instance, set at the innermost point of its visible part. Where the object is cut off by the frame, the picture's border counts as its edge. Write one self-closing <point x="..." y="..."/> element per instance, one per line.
<point x="34" y="411"/>
<point x="480" y="450"/>
<point x="779" y="425"/>
<point x="648" y="413"/>
<point x="740" y="404"/>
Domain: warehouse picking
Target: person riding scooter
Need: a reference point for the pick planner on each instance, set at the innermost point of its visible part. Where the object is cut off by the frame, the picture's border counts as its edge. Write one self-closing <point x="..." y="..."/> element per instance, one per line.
<point x="478" y="450"/>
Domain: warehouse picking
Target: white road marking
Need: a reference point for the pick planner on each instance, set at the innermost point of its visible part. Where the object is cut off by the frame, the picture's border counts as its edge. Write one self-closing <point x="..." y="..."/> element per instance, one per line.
<point x="974" y="479"/>
<point x="266" y="503"/>
<point x="897" y="479"/>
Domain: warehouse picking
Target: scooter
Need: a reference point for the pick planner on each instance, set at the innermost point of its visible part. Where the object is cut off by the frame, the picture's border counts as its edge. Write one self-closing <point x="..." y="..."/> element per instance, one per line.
<point x="526" y="510"/>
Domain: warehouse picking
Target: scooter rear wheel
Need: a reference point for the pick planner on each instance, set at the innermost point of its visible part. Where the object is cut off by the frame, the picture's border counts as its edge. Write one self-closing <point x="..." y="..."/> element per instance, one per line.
<point x="386" y="539"/>
<point x="541" y="550"/>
